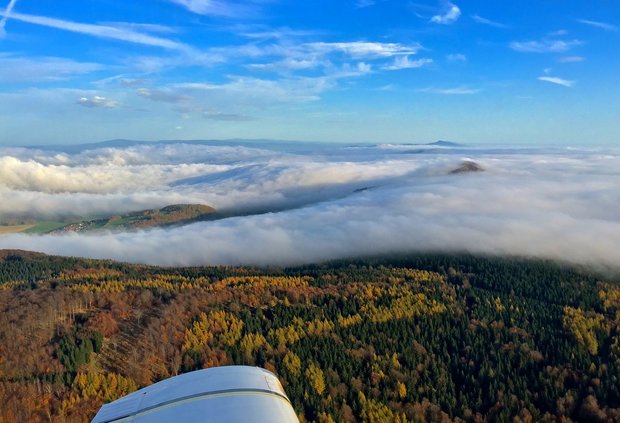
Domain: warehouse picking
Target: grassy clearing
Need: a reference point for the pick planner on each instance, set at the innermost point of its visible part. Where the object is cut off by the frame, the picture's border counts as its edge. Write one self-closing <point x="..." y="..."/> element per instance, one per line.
<point x="14" y="229"/>
<point x="44" y="227"/>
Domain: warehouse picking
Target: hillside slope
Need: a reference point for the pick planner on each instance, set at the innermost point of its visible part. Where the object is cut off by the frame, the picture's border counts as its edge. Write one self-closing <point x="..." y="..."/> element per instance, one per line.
<point x="177" y="214"/>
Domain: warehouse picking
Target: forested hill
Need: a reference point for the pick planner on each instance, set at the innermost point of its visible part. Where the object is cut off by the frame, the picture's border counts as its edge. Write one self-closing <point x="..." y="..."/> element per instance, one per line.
<point x="415" y="338"/>
<point x="177" y="214"/>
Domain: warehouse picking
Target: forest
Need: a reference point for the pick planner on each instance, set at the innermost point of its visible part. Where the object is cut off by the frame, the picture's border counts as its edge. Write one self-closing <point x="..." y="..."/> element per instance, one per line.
<point x="411" y="338"/>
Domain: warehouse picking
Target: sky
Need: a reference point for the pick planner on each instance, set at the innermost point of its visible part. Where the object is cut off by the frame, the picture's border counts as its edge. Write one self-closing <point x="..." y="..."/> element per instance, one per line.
<point x="544" y="72"/>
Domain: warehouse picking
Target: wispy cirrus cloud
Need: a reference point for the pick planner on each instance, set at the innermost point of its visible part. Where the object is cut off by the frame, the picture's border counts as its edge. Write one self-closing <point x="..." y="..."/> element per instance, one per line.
<point x="265" y="32"/>
<point x="364" y="49"/>
<point x="450" y="14"/>
<point x="557" y="81"/>
<point x="164" y="96"/>
<point x="484" y="21"/>
<point x="100" y="31"/>
<point x="142" y="27"/>
<point x="130" y="82"/>
<point x="463" y="90"/>
<point x="456" y="57"/>
<point x="403" y="62"/>
<point x="360" y="4"/>
<point x="558" y="33"/>
<point x="597" y="24"/>
<point x="387" y="87"/>
<point x="227" y="117"/>
<point x="289" y="64"/>
<point x="41" y="69"/>
<point x="5" y="17"/>
<point x="98" y="102"/>
<point x="217" y="7"/>
<point x="257" y="92"/>
<point x="571" y="59"/>
<point x="332" y="59"/>
<point x="544" y="46"/>
<point x="349" y="71"/>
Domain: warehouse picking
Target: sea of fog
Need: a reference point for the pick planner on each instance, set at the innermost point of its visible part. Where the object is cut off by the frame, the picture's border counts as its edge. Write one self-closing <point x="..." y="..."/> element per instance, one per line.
<point x="295" y="203"/>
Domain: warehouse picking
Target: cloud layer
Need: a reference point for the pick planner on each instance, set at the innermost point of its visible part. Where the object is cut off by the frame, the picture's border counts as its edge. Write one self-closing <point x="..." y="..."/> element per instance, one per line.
<point x="318" y="202"/>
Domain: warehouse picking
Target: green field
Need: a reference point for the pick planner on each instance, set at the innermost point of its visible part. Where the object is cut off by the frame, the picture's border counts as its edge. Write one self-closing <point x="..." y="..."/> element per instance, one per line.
<point x="44" y="227"/>
<point x="177" y="214"/>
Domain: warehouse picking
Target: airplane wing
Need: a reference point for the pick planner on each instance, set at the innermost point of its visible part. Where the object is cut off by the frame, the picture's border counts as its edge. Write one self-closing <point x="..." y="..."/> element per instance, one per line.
<point x="228" y="394"/>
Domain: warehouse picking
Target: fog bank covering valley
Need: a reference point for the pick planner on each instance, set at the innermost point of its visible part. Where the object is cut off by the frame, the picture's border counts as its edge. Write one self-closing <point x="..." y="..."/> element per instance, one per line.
<point x="293" y="203"/>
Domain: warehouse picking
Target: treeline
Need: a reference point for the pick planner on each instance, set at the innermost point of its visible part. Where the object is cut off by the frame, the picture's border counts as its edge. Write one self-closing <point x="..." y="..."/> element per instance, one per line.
<point x="409" y="339"/>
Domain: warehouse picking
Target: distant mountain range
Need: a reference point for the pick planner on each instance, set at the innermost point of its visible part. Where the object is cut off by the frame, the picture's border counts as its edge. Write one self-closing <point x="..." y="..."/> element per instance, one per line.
<point x="262" y="143"/>
<point x="123" y="143"/>
<point x="441" y="143"/>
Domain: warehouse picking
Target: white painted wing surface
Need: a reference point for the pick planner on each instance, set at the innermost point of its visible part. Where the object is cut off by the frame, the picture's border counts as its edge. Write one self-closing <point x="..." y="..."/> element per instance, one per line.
<point x="228" y="394"/>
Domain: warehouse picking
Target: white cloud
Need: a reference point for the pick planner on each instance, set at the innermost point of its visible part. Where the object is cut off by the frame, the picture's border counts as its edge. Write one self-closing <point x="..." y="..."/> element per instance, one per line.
<point x="258" y="92"/>
<point x="571" y="59"/>
<point x="450" y="91"/>
<point x="142" y="168"/>
<point x="223" y="8"/>
<point x="362" y="69"/>
<point x="403" y="62"/>
<point x="290" y="64"/>
<point x="363" y="49"/>
<point x="558" y="33"/>
<point x="557" y="81"/>
<point x="332" y="60"/>
<point x="450" y="14"/>
<point x="39" y="69"/>
<point x="130" y="82"/>
<point x="227" y="117"/>
<point x="5" y="17"/>
<point x="364" y="3"/>
<point x="387" y="87"/>
<point x="165" y="96"/>
<point x="263" y="32"/>
<point x="227" y="177"/>
<point x="458" y="57"/>
<point x="98" y="101"/>
<point x="31" y="175"/>
<point x="544" y="46"/>
<point x="600" y="25"/>
<point x="558" y="204"/>
<point x="142" y="27"/>
<point x="100" y="31"/>
<point x="484" y="21"/>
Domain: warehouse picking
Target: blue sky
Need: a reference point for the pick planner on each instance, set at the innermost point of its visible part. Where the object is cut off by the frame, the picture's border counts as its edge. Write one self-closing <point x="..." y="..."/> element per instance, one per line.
<point x="383" y="71"/>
